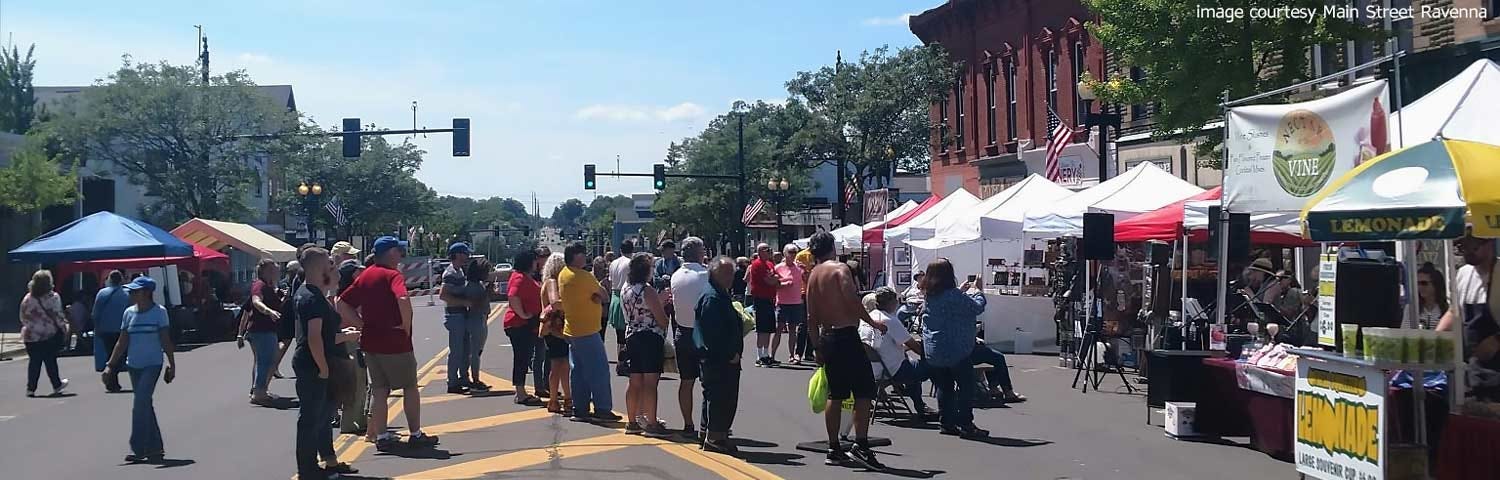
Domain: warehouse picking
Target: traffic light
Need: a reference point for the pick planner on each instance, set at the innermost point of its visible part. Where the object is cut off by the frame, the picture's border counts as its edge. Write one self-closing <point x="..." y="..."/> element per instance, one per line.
<point x="460" y="137"/>
<point x="659" y="176"/>
<point x="588" y="177"/>
<point x="351" y="137"/>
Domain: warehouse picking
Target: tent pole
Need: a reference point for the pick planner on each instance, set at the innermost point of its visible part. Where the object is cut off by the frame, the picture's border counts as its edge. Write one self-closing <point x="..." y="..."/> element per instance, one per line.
<point x="1185" y="261"/>
<point x="1222" y="282"/>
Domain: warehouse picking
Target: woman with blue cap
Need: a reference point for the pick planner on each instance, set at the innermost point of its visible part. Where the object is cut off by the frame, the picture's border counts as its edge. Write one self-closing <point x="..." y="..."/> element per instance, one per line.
<point x="146" y="338"/>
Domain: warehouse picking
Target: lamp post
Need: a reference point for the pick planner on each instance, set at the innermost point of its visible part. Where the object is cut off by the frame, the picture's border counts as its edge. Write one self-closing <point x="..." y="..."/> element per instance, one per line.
<point x="778" y="188"/>
<point x="310" y="193"/>
<point x="1102" y="120"/>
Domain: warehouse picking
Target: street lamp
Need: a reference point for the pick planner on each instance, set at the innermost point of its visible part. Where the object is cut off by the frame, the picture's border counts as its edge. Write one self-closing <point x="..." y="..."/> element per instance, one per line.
<point x="310" y="194"/>
<point x="778" y="188"/>
<point x="1102" y="120"/>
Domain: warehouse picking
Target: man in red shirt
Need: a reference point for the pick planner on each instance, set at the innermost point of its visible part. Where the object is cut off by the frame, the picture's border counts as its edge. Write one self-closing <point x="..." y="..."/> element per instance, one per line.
<point x="763" y="284"/>
<point x="378" y="303"/>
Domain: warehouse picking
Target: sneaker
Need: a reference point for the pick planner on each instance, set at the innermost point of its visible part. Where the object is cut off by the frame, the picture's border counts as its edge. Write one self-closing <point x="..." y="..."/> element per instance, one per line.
<point x="950" y="430"/>
<point x="633" y="428"/>
<point x="724" y="447"/>
<point x="60" y="388"/>
<point x="837" y="458"/>
<point x="760" y="362"/>
<point x="657" y="430"/>
<point x="386" y="443"/>
<point x="773" y="362"/>
<point x="477" y="386"/>
<point x="420" y="439"/>
<point x="606" y="417"/>
<point x="31" y="393"/>
<point x="133" y="458"/>
<point x="973" y="431"/>
<point x="864" y="457"/>
<point x="341" y="469"/>
<point x="689" y="432"/>
<point x="795" y="361"/>
<point x="458" y="389"/>
<point x="580" y="418"/>
<point x="543" y="394"/>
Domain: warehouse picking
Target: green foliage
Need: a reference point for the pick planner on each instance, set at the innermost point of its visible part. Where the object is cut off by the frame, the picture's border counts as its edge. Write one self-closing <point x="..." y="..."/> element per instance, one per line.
<point x="566" y="214"/>
<point x="34" y="180"/>
<point x="874" y="112"/>
<point x="161" y="127"/>
<point x="17" y="95"/>
<point x="599" y="217"/>
<point x="378" y="190"/>
<point x="1191" y="61"/>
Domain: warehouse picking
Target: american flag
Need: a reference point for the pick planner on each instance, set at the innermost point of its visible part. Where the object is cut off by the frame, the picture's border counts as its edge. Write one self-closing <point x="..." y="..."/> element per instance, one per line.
<point x="337" y="210"/>
<point x="1061" y="134"/>
<point x="852" y="190"/>
<point x="752" y="210"/>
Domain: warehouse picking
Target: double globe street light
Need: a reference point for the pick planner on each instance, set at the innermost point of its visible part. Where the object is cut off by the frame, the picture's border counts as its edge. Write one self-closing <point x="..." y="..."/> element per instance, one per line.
<point x="778" y="188"/>
<point x="310" y="194"/>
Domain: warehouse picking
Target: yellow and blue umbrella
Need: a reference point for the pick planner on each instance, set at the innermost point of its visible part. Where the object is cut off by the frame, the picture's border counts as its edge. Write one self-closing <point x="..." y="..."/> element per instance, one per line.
<point x="1426" y="191"/>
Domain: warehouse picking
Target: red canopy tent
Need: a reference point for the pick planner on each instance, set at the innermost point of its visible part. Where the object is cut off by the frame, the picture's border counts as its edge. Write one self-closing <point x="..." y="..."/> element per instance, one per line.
<point x="202" y="259"/>
<point x="876" y="235"/>
<point x="1165" y="224"/>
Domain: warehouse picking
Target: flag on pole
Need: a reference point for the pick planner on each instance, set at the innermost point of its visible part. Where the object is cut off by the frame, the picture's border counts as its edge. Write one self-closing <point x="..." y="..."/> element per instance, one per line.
<point x="1058" y="138"/>
<point x="852" y="190"/>
<point x="752" y="210"/>
<point x="337" y="210"/>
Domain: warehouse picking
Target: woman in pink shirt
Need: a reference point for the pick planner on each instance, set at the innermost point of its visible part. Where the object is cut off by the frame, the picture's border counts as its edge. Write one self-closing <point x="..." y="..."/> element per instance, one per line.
<point x="791" y="314"/>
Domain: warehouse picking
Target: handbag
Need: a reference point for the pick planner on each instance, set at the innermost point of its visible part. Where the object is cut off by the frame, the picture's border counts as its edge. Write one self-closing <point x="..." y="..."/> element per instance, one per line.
<point x="669" y="356"/>
<point x="747" y="321"/>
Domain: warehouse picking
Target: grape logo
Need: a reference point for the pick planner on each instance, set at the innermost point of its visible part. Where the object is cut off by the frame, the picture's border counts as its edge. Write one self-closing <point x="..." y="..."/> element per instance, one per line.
<point x="1304" y="155"/>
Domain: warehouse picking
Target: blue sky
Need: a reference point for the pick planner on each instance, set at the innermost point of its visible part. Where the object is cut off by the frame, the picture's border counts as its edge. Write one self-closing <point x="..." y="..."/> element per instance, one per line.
<point x="550" y="86"/>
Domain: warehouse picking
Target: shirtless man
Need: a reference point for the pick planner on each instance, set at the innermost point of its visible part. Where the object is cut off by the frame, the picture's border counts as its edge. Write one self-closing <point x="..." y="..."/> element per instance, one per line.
<point x="834" y="310"/>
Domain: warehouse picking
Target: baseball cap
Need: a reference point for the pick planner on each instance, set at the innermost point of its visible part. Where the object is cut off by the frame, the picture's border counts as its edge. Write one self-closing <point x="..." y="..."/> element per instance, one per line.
<point x="344" y="248"/>
<point x="386" y="243"/>
<point x="141" y="283"/>
<point x="459" y="248"/>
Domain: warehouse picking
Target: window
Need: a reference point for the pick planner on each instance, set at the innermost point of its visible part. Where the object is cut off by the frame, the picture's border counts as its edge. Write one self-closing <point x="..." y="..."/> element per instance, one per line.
<point x="1079" y="110"/>
<point x="943" y="126"/>
<point x="989" y="90"/>
<point x="958" y="106"/>
<point x="1052" y="79"/>
<point x="1010" y="99"/>
<point x="1137" y="110"/>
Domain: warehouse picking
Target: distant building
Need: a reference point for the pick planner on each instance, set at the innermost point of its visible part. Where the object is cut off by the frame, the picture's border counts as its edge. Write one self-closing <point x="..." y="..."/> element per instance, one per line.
<point x="629" y="220"/>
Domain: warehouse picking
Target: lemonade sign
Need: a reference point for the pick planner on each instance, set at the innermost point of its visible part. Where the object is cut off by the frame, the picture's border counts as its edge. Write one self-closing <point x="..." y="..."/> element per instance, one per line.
<point x="1340" y="421"/>
<point x="1281" y="155"/>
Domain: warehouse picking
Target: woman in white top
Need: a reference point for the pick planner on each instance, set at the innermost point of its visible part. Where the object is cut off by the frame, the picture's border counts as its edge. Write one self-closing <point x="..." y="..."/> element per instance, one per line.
<point x="1432" y="298"/>
<point x="645" y="341"/>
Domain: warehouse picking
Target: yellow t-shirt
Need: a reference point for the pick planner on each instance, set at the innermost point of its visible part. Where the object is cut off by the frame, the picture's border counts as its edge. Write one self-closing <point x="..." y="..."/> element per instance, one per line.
<point x="581" y="315"/>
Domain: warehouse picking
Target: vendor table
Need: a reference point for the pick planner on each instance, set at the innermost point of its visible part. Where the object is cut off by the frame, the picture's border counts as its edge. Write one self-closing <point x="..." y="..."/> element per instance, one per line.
<point x="1226" y="410"/>
<point x="1467" y="450"/>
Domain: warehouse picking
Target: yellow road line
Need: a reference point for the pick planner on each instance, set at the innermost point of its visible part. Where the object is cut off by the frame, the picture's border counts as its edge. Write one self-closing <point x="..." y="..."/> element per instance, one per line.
<point x="446" y="397"/>
<point x="533" y="456"/>
<point x="487" y="422"/>
<point x="724" y="466"/>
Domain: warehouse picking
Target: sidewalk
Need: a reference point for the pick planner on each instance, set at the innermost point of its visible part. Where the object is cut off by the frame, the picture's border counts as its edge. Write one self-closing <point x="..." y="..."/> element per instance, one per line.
<point x="11" y="346"/>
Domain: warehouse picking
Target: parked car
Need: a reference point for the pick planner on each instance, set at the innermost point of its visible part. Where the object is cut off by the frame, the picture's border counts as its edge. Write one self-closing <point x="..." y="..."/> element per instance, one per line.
<point x="500" y="281"/>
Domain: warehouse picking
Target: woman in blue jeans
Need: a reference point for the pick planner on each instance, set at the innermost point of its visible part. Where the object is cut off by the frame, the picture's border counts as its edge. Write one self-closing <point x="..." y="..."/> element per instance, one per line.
<point x="145" y="338"/>
<point x="948" y="336"/>
<point x="258" y="326"/>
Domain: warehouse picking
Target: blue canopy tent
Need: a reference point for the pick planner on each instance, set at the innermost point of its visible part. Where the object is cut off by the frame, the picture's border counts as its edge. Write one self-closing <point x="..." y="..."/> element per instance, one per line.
<point x="101" y="236"/>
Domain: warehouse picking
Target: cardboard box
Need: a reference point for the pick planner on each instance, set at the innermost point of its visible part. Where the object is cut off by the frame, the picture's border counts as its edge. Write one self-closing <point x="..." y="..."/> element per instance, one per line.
<point x="1179" y="419"/>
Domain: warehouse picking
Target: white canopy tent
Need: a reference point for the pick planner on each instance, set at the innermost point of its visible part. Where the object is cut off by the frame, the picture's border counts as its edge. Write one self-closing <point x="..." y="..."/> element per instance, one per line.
<point x="1139" y="190"/>
<point x="991" y="229"/>
<point x="1195" y="217"/>
<point x="1469" y="98"/>
<point x="950" y="206"/>
<point x="848" y="237"/>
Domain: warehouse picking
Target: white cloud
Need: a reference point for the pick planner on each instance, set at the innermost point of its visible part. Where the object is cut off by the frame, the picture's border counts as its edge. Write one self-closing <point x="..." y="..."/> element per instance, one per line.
<point x="901" y="20"/>
<point x="635" y="113"/>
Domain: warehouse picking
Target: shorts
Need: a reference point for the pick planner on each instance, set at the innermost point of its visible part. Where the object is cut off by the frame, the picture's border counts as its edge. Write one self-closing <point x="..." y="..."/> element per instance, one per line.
<point x="846" y="365"/>
<point x="795" y="314"/>
<point x="688" y="356"/>
<point x="644" y="353"/>
<point x="395" y="371"/>
<point x="557" y="348"/>
<point x="765" y="315"/>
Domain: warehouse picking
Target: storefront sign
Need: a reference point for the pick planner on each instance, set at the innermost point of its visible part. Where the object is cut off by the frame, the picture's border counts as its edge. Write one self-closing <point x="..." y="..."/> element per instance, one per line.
<point x="1328" y="272"/>
<point x="1340" y="421"/>
<point x="1281" y="155"/>
<point x="1070" y="171"/>
<point x="1415" y="223"/>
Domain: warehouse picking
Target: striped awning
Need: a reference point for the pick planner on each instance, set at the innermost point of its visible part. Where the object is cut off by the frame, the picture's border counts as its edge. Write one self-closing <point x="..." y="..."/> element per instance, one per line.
<point x="216" y="235"/>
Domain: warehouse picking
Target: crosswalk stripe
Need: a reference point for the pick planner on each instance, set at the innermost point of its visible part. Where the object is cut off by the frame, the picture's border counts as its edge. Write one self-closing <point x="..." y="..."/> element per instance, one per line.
<point x="533" y="456"/>
<point x="724" y="466"/>
<point x="357" y="447"/>
<point x="487" y="422"/>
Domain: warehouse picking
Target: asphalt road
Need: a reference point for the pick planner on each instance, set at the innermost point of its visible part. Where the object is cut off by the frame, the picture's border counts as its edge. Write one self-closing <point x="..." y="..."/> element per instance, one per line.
<point x="212" y="432"/>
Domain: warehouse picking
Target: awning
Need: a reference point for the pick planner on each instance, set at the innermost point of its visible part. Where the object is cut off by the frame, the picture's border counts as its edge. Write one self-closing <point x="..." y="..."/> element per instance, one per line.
<point x="876" y="235"/>
<point x="216" y="235"/>
<point x="100" y="236"/>
<point x="201" y="259"/>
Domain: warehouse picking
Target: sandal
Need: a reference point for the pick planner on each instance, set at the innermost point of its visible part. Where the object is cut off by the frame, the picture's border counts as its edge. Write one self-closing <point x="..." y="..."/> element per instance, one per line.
<point x="553" y="406"/>
<point x="528" y="400"/>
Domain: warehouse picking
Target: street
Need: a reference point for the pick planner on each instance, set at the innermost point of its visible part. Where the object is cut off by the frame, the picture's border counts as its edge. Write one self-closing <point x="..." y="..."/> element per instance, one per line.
<point x="212" y="432"/>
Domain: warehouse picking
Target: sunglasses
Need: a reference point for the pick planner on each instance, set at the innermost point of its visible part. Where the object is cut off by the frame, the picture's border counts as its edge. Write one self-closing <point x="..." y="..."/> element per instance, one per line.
<point x="1423" y="283"/>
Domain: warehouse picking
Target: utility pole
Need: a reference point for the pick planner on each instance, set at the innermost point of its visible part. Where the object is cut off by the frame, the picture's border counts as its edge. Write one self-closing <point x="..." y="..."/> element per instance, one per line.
<point x="744" y="201"/>
<point x="838" y="196"/>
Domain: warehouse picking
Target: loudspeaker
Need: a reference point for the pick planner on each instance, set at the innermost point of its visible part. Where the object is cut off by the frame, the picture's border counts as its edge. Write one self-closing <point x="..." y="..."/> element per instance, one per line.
<point x="1158" y="252"/>
<point x="1098" y="236"/>
<point x="1239" y="234"/>
<point x="1369" y="293"/>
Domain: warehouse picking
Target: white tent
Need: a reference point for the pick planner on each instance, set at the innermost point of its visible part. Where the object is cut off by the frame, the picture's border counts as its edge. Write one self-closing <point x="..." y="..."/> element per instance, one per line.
<point x="899" y="211"/>
<point x="848" y="237"/>
<point x="1469" y="98"/>
<point x="952" y="205"/>
<point x="991" y="229"/>
<point x="1195" y="217"/>
<point x="1139" y="190"/>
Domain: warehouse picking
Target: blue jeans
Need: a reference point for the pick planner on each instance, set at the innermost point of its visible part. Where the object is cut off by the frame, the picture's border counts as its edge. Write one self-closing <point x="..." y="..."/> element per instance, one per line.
<point x="314" y="436"/>
<point x="955" y="393"/>
<point x="263" y="346"/>
<point x="541" y="369"/>
<point x="478" y="332"/>
<point x="998" y="376"/>
<point x="910" y="377"/>
<point x="104" y="346"/>
<point x="590" y="379"/>
<point x="458" y="347"/>
<point x="145" y="433"/>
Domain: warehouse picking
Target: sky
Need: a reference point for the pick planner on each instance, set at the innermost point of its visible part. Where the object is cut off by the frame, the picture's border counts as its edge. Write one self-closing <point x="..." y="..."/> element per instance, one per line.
<point x="549" y="85"/>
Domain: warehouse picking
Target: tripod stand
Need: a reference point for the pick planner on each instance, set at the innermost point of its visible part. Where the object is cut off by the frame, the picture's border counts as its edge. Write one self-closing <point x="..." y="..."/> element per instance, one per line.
<point x="1089" y="369"/>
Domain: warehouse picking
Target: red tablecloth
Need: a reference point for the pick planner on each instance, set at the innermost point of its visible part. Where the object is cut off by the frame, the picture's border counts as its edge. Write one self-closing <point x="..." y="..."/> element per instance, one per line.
<point x="1226" y="410"/>
<point x="1468" y="449"/>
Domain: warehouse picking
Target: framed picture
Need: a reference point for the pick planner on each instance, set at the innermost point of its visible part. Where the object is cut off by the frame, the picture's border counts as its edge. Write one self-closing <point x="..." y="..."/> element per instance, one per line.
<point x="901" y="257"/>
<point x="903" y="279"/>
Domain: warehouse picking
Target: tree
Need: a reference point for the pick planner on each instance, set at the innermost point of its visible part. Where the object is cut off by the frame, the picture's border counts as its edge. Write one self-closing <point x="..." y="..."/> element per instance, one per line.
<point x="35" y="180"/>
<point x="378" y="190"/>
<point x="599" y="217"/>
<point x="1191" y="60"/>
<point x="17" y="95"/>
<point x="166" y="130"/>
<point x="873" y="113"/>
<point x="566" y="214"/>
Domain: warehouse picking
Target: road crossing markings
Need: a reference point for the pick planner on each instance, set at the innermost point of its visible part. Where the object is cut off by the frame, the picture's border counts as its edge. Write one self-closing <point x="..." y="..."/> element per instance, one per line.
<point x="724" y="466"/>
<point x="533" y="456"/>
<point x="487" y="422"/>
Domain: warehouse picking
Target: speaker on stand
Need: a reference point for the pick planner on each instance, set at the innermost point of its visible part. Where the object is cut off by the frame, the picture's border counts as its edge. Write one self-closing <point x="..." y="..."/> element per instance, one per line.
<point x="1098" y="244"/>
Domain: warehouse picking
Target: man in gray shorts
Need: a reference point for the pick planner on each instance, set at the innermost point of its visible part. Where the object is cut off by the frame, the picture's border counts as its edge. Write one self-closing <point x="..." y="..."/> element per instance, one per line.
<point x="377" y="302"/>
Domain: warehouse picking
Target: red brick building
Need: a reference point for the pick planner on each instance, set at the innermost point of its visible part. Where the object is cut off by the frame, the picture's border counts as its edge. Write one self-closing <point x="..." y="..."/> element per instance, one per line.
<point x="1018" y="57"/>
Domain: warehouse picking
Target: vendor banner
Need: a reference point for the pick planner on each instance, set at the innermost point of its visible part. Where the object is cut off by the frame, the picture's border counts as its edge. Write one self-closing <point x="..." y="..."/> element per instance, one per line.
<point x="1328" y="273"/>
<point x="1281" y="155"/>
<point x="1340" y="420"/>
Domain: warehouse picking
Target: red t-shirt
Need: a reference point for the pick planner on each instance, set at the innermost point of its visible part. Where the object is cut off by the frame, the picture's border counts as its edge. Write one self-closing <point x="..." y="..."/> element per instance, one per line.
<point x="523" y="288"/>
<point x="374" y="293"/>
<point x="757" y="275"/>
<point x="260" y="322"/>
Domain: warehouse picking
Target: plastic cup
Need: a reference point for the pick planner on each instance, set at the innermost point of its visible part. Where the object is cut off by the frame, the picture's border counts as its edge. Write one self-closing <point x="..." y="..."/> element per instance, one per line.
<point x="1444" y="347"/>
<point x="1379" y="345"/>
<point x="1429" y="347"/>
<point x="1350" y="339"/>
<point x="1411" y="346"/>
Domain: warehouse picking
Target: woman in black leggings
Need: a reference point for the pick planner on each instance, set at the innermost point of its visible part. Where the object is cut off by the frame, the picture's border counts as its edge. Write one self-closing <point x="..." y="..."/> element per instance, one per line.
<point x="521" y="322"/>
